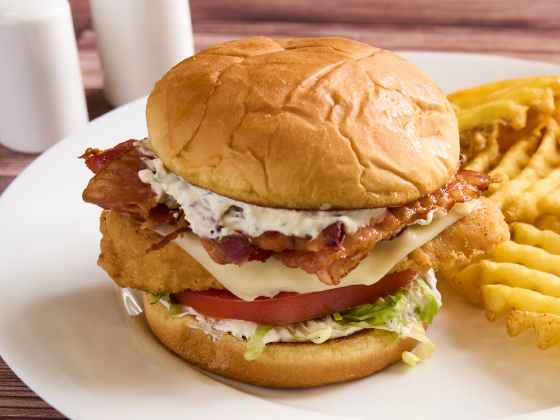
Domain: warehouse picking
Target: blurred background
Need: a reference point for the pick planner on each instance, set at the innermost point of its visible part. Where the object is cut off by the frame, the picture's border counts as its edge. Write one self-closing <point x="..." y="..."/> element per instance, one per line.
<point x="514" y="28"/>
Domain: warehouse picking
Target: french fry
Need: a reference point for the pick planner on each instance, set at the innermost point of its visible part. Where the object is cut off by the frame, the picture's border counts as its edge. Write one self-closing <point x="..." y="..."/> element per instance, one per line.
<point x="487" y="158"/>
<point x="525" y="234"/>
<point x="515" y="275"/>
<point x="499" y="299"/>
<point x="510" y="130"/>
<point x="524" y="208"/>
<point x="462" y="97"/>
<point x="540" y="98"/>
<point x="548" y="222"/>
<point x="545" y="159"/>
<point x="514" y="160"/>
<point x="536" y="121"/>
<point x="475" y="140"/>
<point x="547" y="327"/>
<point x="465" y="281"/>
<point x="550" y="204"/>
<point x="506" y="110"/>
<point x="529" y="256"/>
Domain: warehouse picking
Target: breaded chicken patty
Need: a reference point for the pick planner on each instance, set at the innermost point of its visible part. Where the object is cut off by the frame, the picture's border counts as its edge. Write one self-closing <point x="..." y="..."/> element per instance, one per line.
<point x="171" y="269"/>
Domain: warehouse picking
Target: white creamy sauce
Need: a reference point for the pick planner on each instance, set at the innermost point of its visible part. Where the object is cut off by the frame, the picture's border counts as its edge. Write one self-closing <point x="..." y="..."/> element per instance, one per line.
<point x="300" y="331"/>
<point x="213" y="216"/>
<point x="256" y="279"/>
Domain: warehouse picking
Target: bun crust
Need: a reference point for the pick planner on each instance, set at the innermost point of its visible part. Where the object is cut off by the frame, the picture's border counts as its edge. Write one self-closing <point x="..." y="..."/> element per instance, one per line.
<point x="281" y="365"/>
<point x="299" y="123"/>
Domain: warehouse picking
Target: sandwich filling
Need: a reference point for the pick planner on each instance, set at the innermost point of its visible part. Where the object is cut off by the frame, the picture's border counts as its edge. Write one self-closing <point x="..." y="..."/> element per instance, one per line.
<point x="403" y="312"/>
<point x="326" y="243"/>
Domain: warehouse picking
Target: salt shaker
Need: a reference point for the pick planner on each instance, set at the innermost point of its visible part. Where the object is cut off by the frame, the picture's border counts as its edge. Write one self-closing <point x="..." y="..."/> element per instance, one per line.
<point x="42" y="96"/>
<point x="138" y="41"/>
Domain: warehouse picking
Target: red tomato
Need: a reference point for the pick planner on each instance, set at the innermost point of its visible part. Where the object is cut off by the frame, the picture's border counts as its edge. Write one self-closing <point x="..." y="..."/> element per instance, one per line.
<point x="288" y="307"/>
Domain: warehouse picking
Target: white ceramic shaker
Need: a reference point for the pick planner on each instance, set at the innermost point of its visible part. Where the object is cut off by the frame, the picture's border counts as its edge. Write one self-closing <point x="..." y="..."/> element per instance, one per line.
<point x="138" y="42"/>
<point x="42" y="96"/>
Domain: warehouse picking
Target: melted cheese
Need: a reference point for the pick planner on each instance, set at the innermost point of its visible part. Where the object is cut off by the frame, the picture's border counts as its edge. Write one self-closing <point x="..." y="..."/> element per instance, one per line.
<point x="256" y="279"/>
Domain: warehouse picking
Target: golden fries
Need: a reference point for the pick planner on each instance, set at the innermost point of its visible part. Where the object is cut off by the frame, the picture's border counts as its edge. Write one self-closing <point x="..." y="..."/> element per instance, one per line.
<point x="499" y="299"/>
<point x="525" y="234"/>
<point x="509" y="129"/>
<point x="547" y="327"/>
<point x="461" y="98"/>
<point x="506" y="110"/>
<point x="524" y="208"/>
<point x="515" y="275"/>
<point x="545" y="159"/>
<point x="550" y="204"/>
<point x="465" y="281"/>
<point x="548" y="222"/>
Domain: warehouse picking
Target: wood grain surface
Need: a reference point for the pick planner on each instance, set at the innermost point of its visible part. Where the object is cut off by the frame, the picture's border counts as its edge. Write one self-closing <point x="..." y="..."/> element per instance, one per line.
<point x="515" y="28"/>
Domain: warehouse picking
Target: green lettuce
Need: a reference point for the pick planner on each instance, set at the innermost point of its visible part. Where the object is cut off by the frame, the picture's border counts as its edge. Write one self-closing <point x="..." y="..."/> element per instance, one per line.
<point x="157" y="297"/>
<point x="428" y="312"/>
<point x="378" y="313"/>
<point x="256" y="344"/>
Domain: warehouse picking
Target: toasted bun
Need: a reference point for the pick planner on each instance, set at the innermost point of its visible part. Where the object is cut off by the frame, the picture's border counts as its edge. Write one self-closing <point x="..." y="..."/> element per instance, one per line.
<point x="281" y="365"/>
<point x="300" y="123"/>
<point x="171" y="269"/>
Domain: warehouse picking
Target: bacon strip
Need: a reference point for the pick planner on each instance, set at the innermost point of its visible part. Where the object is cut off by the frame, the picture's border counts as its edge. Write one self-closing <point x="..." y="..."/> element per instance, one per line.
<point x="331" y="256"/>
<point x="117" y="186"/>
<point x="332" y="266"/>
<point x="97" y="159"/>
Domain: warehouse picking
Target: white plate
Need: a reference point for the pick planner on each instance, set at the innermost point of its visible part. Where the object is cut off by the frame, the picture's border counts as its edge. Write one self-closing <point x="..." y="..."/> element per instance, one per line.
<point x="63" y="331"/>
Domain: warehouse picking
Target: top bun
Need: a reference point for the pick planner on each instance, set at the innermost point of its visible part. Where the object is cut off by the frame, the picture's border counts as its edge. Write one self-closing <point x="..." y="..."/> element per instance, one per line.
<point x="304" y="124"/>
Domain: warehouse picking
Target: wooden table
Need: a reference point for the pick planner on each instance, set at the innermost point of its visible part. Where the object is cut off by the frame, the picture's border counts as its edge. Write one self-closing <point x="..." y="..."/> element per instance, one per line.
<point x="513" y="28"/>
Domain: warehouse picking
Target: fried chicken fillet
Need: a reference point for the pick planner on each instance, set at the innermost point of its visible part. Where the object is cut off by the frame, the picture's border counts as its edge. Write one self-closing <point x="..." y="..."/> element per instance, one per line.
<point x="171" y="269"/>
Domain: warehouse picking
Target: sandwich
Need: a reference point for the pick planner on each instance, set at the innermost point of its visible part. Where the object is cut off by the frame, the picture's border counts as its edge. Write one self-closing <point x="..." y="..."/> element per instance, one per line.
<point x="286" y="213"/>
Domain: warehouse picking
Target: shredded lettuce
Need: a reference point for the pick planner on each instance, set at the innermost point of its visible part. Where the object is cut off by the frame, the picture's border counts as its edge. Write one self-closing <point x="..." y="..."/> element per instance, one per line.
<point x="320" y="336"/>
<point x="378" y="313"/>
<point x="256" y="344"/>
<point x="175" y="309"/>
<point x="410" y="358"/>
<point x="402" y="313"/>
<point x="429" y="311"/>
<point x="157" y="297"/>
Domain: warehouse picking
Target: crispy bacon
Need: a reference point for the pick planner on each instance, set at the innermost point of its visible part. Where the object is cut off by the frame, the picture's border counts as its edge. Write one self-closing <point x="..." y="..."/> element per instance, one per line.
<point x="331" y="266"/>
<point x="97" y="159"/>
<point x="117" y="186"/>
<point x="331" y="256"/>
<point x="168" y="238"/>
<point x="234" y="249"/>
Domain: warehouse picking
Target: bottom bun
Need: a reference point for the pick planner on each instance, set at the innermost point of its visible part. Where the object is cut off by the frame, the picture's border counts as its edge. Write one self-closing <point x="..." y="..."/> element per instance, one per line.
<point x="281" y="365"/>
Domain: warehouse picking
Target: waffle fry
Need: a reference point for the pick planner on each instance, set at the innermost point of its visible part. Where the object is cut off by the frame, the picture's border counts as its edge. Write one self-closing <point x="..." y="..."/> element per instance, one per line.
<point x="547" y="327"/>
<point x="526" y="234"/>
<point x="507" y="110"/>
<point x="509" y="129"/>
<point x="548" y="222"/>
<point x="544" y="161"/>
<point x="550" y="204"/>
<point x="515" y="275"/>
<point x="465" y="280"/>
<point x="499" y="89"/>
<point x="499" y="299"/>
<point x="524" y="208"/>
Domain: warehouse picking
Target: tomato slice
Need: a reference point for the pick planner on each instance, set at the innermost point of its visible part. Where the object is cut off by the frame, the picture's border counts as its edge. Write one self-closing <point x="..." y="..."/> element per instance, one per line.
<point x="288" y="307"/>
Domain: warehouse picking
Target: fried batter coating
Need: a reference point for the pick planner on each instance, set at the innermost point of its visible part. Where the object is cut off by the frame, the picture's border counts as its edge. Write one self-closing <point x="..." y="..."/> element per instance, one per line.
<point x="123" y="256"/>
<point x="171" y="269"/>
<point x="476" y="234"/>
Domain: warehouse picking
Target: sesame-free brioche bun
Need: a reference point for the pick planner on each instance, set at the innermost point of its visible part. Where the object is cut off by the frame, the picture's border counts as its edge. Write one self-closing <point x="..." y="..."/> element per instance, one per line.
<point x="281" y="365"/>
<point x="304" y="123"/>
